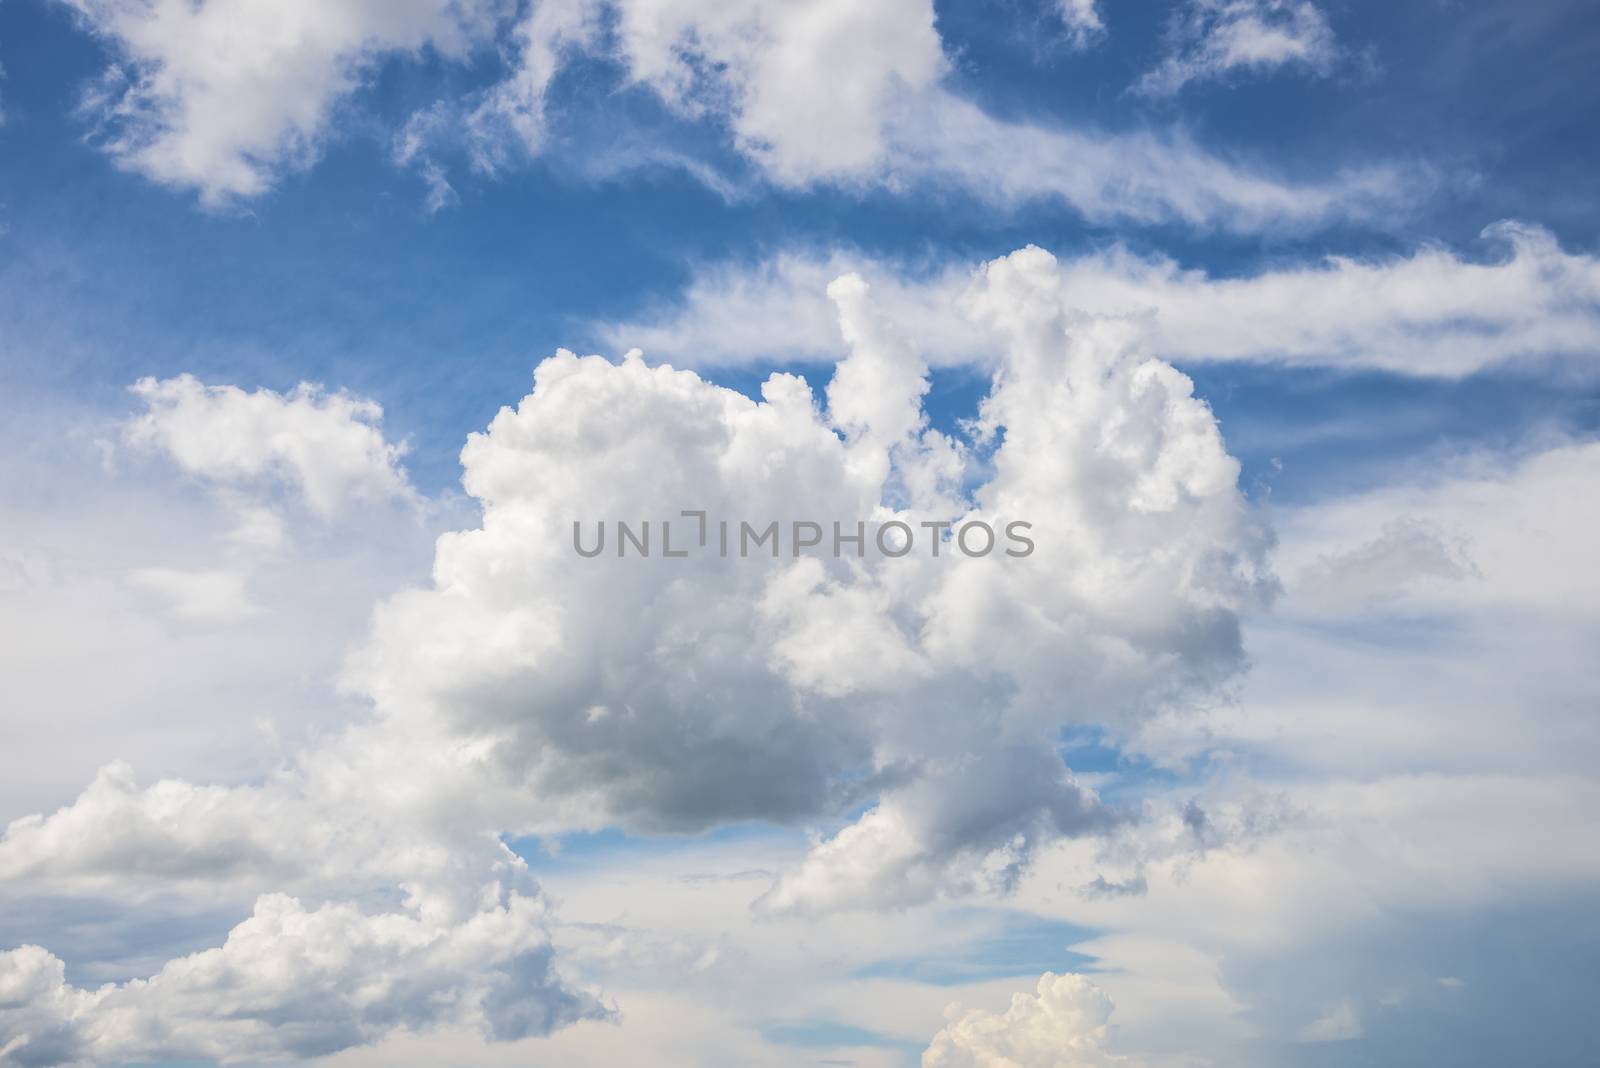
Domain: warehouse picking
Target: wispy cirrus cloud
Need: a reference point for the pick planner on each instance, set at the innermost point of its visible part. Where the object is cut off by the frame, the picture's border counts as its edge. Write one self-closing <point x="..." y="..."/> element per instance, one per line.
<point x="1433" y="313"/>
<point x="1083" y="19"/>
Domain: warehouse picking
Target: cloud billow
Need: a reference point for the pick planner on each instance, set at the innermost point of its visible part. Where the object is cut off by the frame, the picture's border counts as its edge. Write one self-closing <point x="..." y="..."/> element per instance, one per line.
<point x="681" y="694"/>
<point x="527" y="690"/>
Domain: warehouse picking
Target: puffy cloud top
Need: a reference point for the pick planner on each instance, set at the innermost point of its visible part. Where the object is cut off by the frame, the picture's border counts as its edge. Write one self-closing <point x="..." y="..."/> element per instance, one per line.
<point x="328" y="447"/>
<point x="1063" y="1025"/>
<point x="295" y="982"/>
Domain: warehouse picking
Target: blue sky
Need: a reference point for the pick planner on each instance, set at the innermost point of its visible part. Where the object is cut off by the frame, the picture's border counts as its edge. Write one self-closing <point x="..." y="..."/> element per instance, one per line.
<point x="1282" y="755"/>
<point x="341" y="275"/>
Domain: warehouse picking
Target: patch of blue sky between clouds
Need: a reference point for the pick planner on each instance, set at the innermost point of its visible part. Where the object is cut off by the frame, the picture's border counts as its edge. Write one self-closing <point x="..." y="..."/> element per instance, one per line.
<point x="831" y="1034"/>
<point x="611" y="845"/>
<point x="1121" y="777"/>
<point x="1305" y="433"/>
<point x="1002" y="943"/>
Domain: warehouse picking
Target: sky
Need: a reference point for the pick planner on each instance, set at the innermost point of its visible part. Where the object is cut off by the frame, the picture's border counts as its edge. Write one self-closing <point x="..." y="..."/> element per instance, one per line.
<point x="321" y="324"/>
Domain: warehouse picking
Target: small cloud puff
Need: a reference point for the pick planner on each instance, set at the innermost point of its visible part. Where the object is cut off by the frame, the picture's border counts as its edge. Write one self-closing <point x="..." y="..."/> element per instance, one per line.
<point x="326" y="447"/>
<point x="1213" y="38"/>
<point x="1064" y="1024"/>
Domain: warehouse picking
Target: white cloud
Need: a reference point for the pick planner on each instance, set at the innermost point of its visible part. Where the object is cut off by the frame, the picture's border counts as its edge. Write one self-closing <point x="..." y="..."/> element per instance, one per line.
<point x="850" y="94"/>
<point x="248" y="448"/>
<point x="1140" y="177"/>
<point x="216" y="596"/>
<point x="696" y="975"/>
<point x="1426" y="624"/>
<point x="801" y="691"/>
<point x="1064" y="1025"/>
<point x="328" y="447"/>
<point x="1339" y="865"/>
<point x="1479" y="533"/>
<point x="175" y="696"/>
<point x="297" y="982"/>
<point x="970" y="825"/>
<point x="525" y="691"/>
<point x="223" y="97"/>
<point x="514" y="108"/>
<point x="963" y="799"/>
<point x="394" y="929"/>
<point x="1418" y="753"/>
<point x="743" y="672"/>
<point x="778" y="310"/>
<point x="1387" y="881"/>
<point x="1432" y="313"/>
<point x="1339" y="1024"/>
<point x="1460" y="593"/>
<point x="257" y="528"/>
<point x="505" y="122"/>
<point x="808" y="89"/>
<point x="1083" y="21"/>
<point x="407" y="922"/>
<point x="1209" y="39"/>
<point x="1406" y="553"/>
<point x="330" y="823"/>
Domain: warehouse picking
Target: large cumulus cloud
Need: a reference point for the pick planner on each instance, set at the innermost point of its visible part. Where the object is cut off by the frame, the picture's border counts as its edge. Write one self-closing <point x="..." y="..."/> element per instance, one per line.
<point x="909" y="708"/>
<point x="685" y="693"/>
